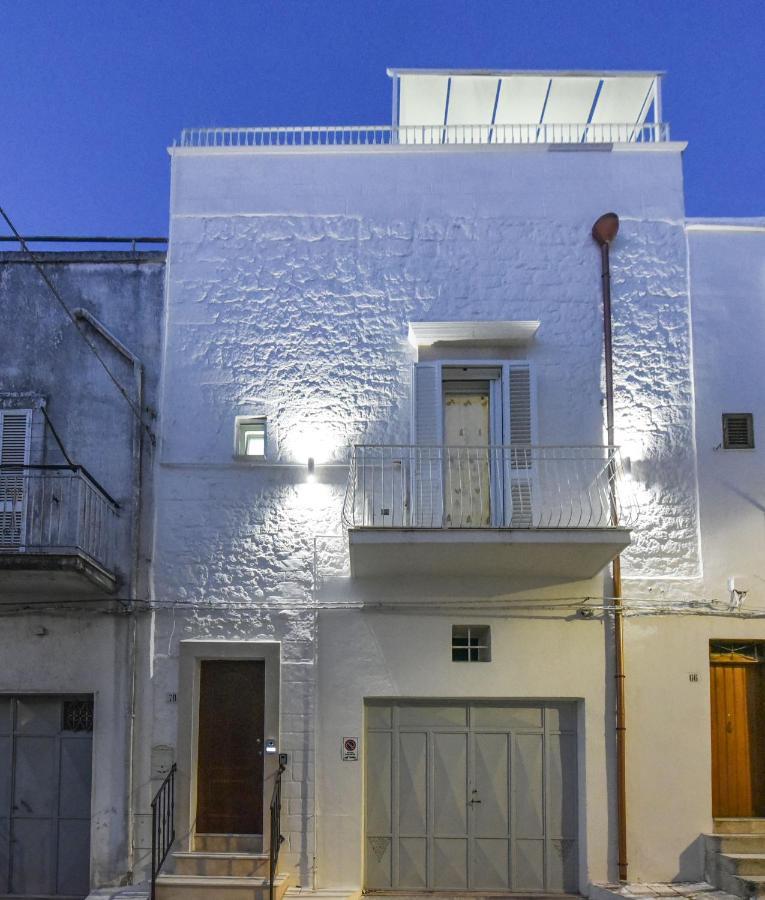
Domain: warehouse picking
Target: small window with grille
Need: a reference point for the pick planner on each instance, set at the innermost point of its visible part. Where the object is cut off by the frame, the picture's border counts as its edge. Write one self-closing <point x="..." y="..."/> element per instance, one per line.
<point x="471" y="643"/>
<point x="738" y="431"/>
<point x="77" y="715"/>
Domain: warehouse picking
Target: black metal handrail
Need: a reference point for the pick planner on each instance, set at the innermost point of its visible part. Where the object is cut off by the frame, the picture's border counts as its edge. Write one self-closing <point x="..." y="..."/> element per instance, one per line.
<point x="276" y="836"/>
<point x="162" y="825"/>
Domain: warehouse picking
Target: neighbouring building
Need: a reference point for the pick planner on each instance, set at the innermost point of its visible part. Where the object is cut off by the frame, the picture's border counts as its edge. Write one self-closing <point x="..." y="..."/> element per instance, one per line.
<point x="381" y="513"/>
<point x="75" y="542"/>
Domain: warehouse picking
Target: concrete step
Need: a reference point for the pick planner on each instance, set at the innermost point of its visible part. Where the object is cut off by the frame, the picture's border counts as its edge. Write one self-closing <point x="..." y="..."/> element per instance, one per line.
<point x="228" y="843"/>
<point x="243" y="865"/>
<point x="200" y="887"/>
<point x="736" y="843"/>
<point x="739" y="826"/>
<point x="742" y="863"/>
<point x="746" y="886"/>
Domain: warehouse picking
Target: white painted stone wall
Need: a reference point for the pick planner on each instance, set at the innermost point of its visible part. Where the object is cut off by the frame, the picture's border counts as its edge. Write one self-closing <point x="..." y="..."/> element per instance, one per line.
<point x="292" y="277"/>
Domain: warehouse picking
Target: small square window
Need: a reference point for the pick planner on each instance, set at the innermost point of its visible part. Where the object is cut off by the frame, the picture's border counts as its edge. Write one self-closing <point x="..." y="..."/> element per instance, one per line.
<point x="251" y="437"/>
<point x="471" y="643"/>
<point x="738" y="431"/>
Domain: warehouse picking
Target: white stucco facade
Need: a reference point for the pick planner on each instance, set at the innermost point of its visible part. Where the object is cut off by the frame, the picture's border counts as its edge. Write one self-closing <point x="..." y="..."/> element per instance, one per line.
<point x="292" y="277"/>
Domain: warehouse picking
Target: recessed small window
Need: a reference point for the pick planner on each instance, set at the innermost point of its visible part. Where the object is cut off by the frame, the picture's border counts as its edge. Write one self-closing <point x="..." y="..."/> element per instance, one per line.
<point x="251" y="437"/>
<point x="738" y="431"/>
<point x="471" y="643"/>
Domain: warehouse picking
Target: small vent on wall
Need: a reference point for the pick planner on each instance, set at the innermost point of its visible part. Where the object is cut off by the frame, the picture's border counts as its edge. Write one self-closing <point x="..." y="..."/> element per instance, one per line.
<point x="471" y="643"/>
<point x="77" y="715"/>
<point x="738" y="431"/>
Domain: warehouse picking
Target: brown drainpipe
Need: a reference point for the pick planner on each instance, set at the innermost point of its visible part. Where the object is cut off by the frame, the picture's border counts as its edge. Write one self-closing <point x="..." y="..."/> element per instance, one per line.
<point x="603" y="232"/>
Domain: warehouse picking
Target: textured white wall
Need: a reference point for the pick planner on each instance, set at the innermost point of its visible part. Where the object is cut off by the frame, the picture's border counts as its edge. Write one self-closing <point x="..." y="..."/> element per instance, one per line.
<point x="728" y="285"/>
<point x="291" y="280"/>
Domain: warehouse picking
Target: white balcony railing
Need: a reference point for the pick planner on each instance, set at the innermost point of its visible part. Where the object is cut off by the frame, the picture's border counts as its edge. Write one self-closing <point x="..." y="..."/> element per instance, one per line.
<point x="432" y="135"/>
<point x="56" y="511"/>
<point x="514" y="486"/>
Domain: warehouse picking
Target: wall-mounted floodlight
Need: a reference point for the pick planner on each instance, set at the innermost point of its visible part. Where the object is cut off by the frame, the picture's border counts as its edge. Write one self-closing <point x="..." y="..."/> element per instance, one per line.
<point x="311" y="476"/>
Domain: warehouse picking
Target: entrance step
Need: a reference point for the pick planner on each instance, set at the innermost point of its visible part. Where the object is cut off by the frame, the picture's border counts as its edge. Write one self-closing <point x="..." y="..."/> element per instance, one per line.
<point x="202" y="887"/>
<point x="734" y="857"/>
<point x="228" y="843"/>
<point x="742" y="863"/>
<point x="736" y="843"/>
<point x="241" y="865"/>
<point x="739" y="826"/>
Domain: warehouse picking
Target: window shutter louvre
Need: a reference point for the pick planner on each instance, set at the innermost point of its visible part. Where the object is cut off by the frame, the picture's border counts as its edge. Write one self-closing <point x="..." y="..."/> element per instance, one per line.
<point x="427" y="458"/>
<point x="520" y="404"/>
<point x="14" y="451"/>
<point x="521" y="459"/>
<point x="426" y="403"/>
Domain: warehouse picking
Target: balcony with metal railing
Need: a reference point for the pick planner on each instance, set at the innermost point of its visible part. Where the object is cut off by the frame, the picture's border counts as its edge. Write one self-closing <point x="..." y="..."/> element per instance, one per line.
<point x="491" y="510"/>
<point x="58" y="533"/>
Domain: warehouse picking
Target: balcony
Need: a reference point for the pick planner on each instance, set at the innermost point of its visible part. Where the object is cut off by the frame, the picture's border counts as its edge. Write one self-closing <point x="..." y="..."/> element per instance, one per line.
<point x="542" y="513"/>
<point x="57" y="533"/>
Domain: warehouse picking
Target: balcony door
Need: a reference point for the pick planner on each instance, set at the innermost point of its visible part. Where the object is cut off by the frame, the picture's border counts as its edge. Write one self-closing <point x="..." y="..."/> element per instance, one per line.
<point x="461" y="471"/>
<point x="472" y="424"/>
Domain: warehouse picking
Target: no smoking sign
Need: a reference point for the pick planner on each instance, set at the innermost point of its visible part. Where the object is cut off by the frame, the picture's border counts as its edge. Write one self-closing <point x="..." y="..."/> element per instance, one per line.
<point x="350" y="749"/>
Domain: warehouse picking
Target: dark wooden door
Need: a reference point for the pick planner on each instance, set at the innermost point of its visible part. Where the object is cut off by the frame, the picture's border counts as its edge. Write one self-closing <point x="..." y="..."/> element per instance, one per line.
<point x="738" y="776"/>
<point x="230" y="760"/>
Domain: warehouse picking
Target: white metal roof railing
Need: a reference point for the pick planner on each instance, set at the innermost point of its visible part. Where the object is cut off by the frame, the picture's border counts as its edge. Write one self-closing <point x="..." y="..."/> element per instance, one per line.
<point x="427" y="135"/>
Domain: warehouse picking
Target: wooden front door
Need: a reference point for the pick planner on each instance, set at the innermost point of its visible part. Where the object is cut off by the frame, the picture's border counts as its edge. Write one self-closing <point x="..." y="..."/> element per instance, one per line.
<point x="230" y="759"/>
<point x="738" y="729"/>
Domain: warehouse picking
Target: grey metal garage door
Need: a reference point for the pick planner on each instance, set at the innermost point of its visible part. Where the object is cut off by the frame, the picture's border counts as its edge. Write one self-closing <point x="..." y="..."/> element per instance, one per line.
<point x="45" y="775"/>
<point x="471" y="796"/>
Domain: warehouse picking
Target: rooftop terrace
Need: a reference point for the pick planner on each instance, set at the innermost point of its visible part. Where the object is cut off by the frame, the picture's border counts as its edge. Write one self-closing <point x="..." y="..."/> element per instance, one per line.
<point x="449" y="107"/>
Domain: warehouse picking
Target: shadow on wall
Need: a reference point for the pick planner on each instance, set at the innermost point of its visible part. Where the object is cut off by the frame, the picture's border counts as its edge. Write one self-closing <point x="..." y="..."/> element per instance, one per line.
<point x="691" y="861"/>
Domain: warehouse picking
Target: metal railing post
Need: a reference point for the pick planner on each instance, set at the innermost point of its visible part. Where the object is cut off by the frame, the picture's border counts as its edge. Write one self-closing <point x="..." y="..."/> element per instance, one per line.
<point x="162" y="826"/>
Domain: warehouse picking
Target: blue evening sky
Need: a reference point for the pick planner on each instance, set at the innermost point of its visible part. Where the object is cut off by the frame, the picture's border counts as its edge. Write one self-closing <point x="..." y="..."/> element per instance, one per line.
<point x="93" y="92"/>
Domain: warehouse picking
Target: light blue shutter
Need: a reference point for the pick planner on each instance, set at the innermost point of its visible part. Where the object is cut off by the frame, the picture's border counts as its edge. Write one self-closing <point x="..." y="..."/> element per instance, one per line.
<point x="426" y="463"/>
<point x="520" y="467"/>
<point x="14" y="451"/>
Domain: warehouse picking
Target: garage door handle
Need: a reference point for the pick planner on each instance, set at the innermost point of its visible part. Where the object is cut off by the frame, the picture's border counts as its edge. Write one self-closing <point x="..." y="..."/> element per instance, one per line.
<point x="474" y="801"/>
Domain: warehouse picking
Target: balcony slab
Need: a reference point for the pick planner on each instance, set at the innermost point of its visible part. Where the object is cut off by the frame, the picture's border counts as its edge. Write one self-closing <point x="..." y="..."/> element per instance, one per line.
<point x="24" y="576"/>
<point x="545" y="553"/>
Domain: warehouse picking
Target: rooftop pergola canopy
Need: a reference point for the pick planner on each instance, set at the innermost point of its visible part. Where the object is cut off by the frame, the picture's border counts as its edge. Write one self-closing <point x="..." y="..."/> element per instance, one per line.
<point x="526" y="107"/>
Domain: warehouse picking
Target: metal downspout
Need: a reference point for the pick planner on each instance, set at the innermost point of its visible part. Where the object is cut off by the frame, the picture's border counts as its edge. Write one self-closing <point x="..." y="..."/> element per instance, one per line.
<point x="135" y="527"/>
<point x="604" y="231"/>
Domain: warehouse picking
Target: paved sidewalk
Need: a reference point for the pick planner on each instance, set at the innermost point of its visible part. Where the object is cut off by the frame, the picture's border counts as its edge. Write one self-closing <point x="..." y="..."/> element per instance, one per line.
<point x="693" y="890"/>
<point x="131" y="892"/>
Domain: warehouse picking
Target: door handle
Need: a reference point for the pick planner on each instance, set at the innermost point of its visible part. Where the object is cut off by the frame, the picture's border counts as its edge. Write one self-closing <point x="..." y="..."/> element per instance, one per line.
<point x="473" y="801"/>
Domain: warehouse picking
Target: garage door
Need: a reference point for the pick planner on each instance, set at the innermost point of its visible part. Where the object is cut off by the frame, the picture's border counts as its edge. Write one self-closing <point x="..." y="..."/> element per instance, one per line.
<point x="45" y="774"/>
<point x="471" y="796"/>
